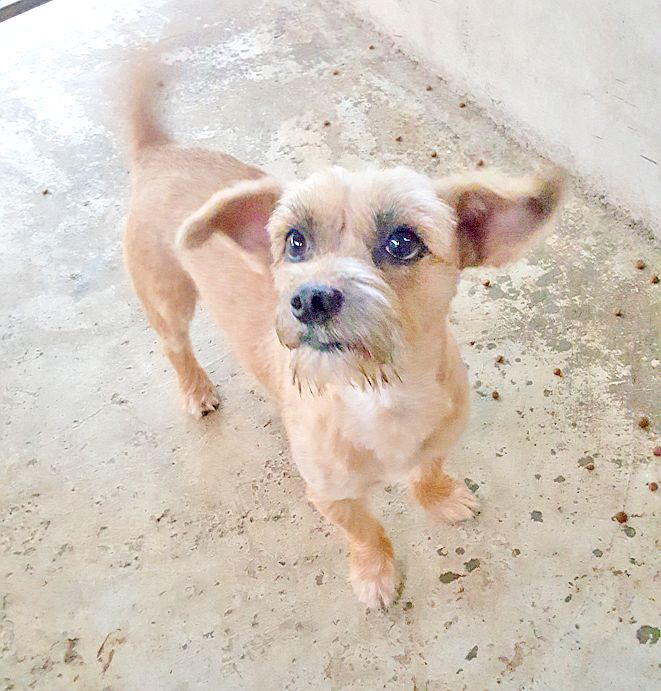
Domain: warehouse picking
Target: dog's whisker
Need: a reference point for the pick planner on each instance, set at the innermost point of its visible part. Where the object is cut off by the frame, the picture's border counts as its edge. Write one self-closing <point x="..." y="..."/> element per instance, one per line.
<point x="296" y="380"/>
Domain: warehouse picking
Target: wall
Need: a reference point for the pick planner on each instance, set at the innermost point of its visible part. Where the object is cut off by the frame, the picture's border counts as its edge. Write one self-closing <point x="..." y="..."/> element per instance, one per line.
<point x="580" y="79"/>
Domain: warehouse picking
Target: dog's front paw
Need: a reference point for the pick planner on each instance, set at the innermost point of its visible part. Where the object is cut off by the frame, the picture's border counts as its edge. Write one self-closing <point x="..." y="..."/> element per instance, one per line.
<point x="377" y="588"/>
<point x="201" y="398"/>
<point x="459" y="505"/>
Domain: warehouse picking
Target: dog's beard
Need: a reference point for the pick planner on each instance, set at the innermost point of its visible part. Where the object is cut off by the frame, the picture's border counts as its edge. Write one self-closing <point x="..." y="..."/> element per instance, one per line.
<point x="317" y="363"/>
<point x="359" y="347"/>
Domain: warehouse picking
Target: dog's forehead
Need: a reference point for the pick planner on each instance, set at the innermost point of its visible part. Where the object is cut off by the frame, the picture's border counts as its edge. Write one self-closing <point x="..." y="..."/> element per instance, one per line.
<point x="390" y="187"/>
<point x="336" y="195"/>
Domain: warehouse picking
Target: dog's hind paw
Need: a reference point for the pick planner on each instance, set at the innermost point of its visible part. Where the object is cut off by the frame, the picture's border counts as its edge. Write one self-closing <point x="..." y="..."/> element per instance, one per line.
<point x="459" y="505"/>
<point x="202" y="398"/>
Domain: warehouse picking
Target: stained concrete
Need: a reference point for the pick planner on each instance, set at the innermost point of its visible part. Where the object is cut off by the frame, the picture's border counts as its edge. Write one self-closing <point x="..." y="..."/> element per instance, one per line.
<point x="581" y="78"/>
<point x="144" y="550"/>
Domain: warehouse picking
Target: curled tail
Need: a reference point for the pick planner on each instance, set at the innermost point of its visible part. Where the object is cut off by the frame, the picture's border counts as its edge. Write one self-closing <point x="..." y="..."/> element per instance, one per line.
<point x="143" y="127"/>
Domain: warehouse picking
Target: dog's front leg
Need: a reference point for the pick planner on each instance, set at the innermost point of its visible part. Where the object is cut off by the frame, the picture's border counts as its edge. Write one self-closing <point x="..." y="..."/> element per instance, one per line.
<point x="440" y="495"/>
<point x="372" y="571"/>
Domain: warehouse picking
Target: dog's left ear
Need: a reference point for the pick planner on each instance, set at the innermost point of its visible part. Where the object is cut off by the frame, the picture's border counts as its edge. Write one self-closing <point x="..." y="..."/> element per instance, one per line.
<point x="498" y="217"/>
<point x="237" y="216"/>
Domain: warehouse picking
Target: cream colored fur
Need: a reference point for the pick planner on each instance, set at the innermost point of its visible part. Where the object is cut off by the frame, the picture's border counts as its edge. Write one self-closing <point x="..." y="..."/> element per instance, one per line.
<point x="390" y="405"/>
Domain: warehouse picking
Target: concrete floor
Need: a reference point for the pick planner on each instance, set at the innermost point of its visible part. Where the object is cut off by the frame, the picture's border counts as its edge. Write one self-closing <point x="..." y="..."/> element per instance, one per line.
<point x="143" y="550"/>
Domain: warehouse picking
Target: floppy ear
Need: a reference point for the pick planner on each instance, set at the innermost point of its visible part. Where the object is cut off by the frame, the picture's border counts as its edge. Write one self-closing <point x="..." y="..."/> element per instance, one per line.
<point x="499" y="217"/>
<point x="237" y="217"/>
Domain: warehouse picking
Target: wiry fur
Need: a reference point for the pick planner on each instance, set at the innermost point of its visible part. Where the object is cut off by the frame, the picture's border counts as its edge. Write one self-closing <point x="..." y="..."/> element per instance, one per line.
<point x="388" y="400"/>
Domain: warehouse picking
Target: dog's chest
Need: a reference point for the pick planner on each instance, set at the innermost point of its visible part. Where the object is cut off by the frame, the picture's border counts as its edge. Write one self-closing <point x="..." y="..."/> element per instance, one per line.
<point x="394" y="423"/>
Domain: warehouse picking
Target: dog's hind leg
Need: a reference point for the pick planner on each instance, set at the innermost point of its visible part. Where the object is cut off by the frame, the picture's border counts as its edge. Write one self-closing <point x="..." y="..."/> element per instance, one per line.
<point x="171" y="322"/>
<point x="198" y="393"/>
<point x="168" y="297"/>
<point x="373" y="574"/>
<point x="440" y="495"/>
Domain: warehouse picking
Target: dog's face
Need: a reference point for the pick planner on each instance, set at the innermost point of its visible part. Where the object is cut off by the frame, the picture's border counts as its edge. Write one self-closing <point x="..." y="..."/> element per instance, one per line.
<point x="365" y="264"/>
<point x="362" y="262"/>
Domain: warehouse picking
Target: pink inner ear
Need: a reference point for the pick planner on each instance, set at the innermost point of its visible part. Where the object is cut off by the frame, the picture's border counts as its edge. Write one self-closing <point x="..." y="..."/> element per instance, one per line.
<point x="254" y="231"/>
<point x="244" y="220"/>
<point x="518" y="224"/>
<point x="473" y="212"/>
<point x="493" y="230"/>
<point x="507" y="233"/>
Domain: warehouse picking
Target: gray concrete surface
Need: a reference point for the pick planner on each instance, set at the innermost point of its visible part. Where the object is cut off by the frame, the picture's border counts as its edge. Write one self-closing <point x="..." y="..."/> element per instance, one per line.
<point x="143" y="550"/>
<point x="583" y="79"/>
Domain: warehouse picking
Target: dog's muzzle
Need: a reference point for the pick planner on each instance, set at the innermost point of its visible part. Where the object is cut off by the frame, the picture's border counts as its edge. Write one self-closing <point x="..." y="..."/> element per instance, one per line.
<point x="315" y="303"/>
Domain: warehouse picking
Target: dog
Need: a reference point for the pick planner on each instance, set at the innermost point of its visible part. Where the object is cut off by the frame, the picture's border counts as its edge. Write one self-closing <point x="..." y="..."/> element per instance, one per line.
<point x="334" y="293"/>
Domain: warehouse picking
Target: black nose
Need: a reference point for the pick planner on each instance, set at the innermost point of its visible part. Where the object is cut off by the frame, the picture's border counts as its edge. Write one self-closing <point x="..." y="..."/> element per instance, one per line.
<point x="315" y="304"/>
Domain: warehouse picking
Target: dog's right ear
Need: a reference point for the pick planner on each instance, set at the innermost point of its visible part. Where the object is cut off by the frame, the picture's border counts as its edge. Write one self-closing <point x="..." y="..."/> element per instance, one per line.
<point x="237" y="216"/>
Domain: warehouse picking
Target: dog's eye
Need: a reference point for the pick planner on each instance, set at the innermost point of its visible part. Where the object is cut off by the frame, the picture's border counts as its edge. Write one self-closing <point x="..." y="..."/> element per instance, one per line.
<point x="296" y="245"/>
<point x="403" y="244"/>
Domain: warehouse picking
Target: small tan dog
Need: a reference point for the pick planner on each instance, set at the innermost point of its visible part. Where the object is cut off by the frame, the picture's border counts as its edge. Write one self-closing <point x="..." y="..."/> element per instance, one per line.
<point x="334" y="293"/>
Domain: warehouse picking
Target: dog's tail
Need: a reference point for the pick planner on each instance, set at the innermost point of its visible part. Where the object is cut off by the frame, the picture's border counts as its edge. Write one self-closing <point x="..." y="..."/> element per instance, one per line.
<point x="144" y="129"/>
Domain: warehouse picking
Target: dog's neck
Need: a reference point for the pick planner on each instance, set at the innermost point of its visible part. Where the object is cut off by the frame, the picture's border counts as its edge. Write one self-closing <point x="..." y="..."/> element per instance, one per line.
<point x="426" y="355"/>
<point x="423" y="360"/>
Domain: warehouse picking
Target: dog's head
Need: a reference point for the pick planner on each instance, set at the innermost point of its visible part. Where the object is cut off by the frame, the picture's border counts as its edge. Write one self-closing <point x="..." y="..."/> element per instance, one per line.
<point x="364" y="264"/>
